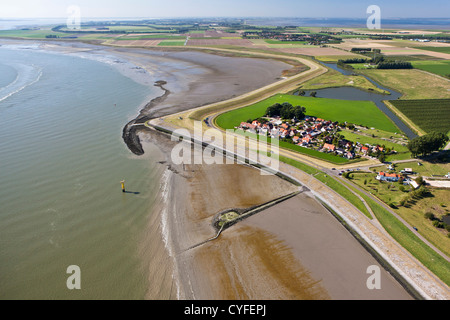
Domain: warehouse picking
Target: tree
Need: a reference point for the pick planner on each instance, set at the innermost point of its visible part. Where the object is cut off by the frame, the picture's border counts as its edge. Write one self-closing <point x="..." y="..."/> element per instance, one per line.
<point x="299" y="112"/>
<point x="313" y="93"/>
<point x="382" y="157"/>
<point x="429" y="216"/>
<point x="274" y="110"/>
<point x="419" y="180"/>
<point x="428" y="143"/>
<point x="286" y="111"/>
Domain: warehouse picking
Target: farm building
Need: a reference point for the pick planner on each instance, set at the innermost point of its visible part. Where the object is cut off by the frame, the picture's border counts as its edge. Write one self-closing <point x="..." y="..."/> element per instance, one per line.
<point x="391" y="177"/>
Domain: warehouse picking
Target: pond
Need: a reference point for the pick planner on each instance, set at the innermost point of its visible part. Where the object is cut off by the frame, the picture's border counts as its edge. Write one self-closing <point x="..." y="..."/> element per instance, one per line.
<point x="351" y="93"/>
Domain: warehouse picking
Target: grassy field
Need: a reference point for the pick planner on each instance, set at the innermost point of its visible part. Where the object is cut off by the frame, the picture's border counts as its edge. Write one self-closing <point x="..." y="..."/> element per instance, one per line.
<point x="414" y="84"/>
<point x="429" y="115"/>
<point x="439" y="67"/>
<point x="31" y="34"/>
<point x="389" y="192"/>
<point x="334" y="78"/>
<point x="409" y="240"/>
<point x="357" y="112"/>
<point x="172" y="43"/>
<point x="403" y="152"/>
<point x="435" y="49"/>
<point x="426" y="169"/>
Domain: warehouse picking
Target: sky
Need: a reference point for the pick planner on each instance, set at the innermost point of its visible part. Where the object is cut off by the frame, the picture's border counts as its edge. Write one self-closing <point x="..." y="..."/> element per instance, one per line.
<point x="224" y="8"/>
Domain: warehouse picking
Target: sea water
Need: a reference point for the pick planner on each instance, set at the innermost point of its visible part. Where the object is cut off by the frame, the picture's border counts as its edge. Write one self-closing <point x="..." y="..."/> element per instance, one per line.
<point x="61" y="162"/>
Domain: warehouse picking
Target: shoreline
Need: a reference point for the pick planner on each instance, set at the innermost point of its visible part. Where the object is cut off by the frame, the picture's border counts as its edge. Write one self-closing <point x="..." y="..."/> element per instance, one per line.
<point x="130" y="133"/>
<point x="188" y="227"/>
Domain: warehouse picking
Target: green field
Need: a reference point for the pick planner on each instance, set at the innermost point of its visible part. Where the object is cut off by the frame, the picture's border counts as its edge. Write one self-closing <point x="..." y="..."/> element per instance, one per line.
<point x="413" y="83"/>
<point x="439" y="67"/>
<point x="429" y="115"/>
<point x="435" y="49"/>
<point x="358" y="112"/>
<point x="31" y="34"/>
<point x="172" y="43"/>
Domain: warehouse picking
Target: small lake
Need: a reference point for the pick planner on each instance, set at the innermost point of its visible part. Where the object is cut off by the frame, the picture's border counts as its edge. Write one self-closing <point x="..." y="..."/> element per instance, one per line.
<point x="351" y="93"/>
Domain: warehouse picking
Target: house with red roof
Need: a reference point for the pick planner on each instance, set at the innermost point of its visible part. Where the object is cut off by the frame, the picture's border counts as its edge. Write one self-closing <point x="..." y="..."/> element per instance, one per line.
<point x="391" y="177"/>
<point x="329" y="147"/>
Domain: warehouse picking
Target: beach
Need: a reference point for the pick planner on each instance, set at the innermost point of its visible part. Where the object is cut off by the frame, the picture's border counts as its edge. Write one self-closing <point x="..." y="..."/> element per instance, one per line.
<point x="294" y="250"/>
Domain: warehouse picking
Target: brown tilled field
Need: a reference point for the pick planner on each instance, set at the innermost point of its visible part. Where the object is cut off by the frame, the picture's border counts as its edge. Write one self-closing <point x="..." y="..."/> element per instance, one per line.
<point x="316" y="51"/>
<point x="218" y="34"/>
<point x="137" y="43"/>
<point x="220" y="42"/>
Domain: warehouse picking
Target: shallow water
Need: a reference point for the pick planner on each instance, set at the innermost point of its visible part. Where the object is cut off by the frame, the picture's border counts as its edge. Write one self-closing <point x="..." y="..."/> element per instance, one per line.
<point x="61" y="162"/>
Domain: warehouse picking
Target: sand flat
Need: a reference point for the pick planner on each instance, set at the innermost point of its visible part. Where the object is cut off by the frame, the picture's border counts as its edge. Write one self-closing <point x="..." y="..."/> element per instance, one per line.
<point x="295" y="250"/>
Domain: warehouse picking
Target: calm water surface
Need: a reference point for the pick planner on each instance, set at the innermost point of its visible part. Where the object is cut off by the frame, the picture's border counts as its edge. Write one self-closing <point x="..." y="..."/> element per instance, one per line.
<point x="61" y="161"/>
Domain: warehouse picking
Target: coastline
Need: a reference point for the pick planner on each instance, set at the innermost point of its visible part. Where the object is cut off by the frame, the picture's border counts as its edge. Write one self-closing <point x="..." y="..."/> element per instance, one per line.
<point x="186" y="217"/>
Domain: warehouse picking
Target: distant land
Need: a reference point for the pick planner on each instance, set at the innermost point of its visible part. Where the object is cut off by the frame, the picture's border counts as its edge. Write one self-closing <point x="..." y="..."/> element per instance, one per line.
<point x="395" y="23"/>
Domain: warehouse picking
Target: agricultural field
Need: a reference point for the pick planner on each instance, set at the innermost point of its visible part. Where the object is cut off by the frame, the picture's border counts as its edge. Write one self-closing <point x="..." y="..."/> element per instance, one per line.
<point x="336" y="58"/>
<point x="219" y="42"/>
<point x="414" y="84"/>
<point x="358" y="112"/>
<point x="429" y="115"/>
<point x="172" y="43"/>
<point x="439" y="67"/>
<point x="284" y="42"/>
<point x="334" y="78"/>
<point x="31" y="34"/>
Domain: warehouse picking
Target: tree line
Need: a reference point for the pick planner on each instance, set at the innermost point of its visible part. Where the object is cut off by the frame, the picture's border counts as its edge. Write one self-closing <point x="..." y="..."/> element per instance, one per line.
<point x="424" y="145"/>
<point x="395" y="65"/>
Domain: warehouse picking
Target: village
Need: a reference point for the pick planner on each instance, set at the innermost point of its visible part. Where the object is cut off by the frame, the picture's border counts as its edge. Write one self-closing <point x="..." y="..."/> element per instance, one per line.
<point x="314" y="133"/>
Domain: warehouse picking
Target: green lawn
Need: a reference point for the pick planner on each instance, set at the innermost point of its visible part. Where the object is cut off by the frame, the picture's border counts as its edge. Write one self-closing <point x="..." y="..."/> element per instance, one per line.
<point x="439" y="67"/>
<point x="358" y="112"/>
